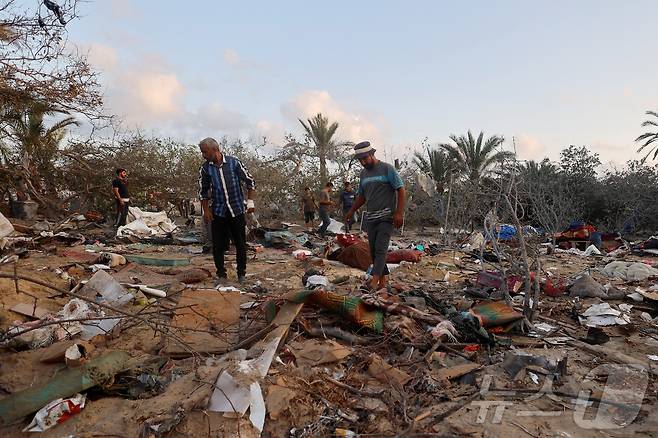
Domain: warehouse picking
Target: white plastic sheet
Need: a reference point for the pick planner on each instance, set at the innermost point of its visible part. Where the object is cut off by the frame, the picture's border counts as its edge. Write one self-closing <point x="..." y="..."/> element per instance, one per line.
<point x="146" y="224"/>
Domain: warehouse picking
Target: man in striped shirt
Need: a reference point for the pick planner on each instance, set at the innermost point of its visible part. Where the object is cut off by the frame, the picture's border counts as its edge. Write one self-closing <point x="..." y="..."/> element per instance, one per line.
<point x="220" y="180"/>
<point x="382" y="190"/>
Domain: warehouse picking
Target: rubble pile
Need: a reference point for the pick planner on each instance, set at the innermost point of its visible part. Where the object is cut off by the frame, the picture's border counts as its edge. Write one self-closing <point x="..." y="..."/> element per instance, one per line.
<point x="127" y="334"/>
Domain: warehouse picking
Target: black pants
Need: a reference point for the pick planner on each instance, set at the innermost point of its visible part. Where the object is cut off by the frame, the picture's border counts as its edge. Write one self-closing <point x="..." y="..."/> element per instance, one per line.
<point x="223" y="228"/>
<point x="379" y="236"/>
<point x="122" y="214"/>
<point x="326" y="220"/>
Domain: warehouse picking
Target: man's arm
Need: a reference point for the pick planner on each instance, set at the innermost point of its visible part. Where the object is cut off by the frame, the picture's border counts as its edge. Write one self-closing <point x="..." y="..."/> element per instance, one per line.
<point x="360" y="200"/>
<point x="398" y="216"/>
<point x="117" y="196"/>
<point x="245" y="176"/>
<point x="204" y="189"/>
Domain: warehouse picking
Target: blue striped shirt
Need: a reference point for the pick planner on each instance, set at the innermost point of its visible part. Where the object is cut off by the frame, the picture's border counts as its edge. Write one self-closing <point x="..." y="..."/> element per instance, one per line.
<point x="222" y="184"/>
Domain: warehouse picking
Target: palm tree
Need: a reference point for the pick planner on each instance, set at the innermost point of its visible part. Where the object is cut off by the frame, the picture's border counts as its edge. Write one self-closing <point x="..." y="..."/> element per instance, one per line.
<point x="37" y="142"/>
<point x="475" y="158"/>
<point x="436" y="164"/>
<point x="321" y="132"/>
<point x="649" y="137"/>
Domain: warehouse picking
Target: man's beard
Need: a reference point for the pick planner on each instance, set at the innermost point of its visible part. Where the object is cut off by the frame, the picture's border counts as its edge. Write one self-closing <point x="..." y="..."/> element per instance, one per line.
<point x="369" y="166"/>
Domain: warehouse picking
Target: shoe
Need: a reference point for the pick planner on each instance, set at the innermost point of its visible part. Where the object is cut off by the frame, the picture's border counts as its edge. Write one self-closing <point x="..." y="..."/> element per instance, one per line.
<point x="221" y="280"/>
<point x="242" y="279"/>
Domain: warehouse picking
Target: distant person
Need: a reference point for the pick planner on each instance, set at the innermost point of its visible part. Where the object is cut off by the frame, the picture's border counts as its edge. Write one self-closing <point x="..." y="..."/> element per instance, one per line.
<point x="309" y="207"/>
<point x="221" y="179"/>
<point x="346" y="202"/>
<point x="121" y="196"/>
<point x="325" y="207"/>
<point x="382" y="190"/>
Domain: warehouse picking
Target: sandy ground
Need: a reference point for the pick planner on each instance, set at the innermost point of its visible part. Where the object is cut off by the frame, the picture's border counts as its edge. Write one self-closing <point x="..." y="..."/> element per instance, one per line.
<point x="300" y="397"/>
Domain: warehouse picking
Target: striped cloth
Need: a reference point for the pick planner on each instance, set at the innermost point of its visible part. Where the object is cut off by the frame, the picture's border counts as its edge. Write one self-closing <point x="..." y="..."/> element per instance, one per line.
<point x="352" y="308"/>
<point x="222" y="184"/>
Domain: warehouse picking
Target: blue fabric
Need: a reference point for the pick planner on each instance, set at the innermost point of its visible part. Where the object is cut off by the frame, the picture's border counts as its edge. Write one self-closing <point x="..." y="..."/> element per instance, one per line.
<point x="507" y="232"/>
<point x="223" y="186"/>
<point x="347" y="199"/>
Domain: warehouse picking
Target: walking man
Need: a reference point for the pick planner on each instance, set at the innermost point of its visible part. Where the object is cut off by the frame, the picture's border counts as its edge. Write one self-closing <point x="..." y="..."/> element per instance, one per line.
<point x="308" y="207"/>
<point x="346" y="201"/>
<point x="382" y="190"/>
<point x="325" y="207"/>
<point x="121" y="196"/>
<point x="220" y="180"/>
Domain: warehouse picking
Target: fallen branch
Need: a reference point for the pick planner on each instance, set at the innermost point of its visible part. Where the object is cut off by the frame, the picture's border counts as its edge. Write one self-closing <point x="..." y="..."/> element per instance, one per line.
<point x="352" y="389"/>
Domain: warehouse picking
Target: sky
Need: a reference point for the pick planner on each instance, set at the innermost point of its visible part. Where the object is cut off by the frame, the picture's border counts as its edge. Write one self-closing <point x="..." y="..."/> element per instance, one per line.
<point x="542" y="74"/>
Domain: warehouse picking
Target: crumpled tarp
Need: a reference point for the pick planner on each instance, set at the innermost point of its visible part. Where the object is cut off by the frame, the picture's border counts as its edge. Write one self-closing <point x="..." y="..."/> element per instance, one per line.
<point x="144" y="224"/>
<point x="629" y="271"/>
<point x="6" y="228"/>
<point x="353" y="308"/>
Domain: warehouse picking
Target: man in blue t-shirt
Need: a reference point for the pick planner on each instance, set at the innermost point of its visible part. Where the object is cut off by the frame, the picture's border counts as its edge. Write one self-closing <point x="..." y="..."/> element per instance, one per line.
<point x="382" y="190"/>
<point x="346" y="201"/>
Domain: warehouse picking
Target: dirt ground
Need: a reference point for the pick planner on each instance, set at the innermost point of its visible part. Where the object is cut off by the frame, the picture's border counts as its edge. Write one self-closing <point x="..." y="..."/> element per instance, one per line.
<point x="323" y="385"/>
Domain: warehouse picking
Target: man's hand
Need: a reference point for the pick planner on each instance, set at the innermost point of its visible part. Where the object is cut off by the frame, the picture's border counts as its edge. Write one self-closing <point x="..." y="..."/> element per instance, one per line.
<point x="398" y="219"/>
<point x="251" y="210"/>
<point x="122" y="204"/>
<point x="207" y="216"/>
<point x="348" y="216"/>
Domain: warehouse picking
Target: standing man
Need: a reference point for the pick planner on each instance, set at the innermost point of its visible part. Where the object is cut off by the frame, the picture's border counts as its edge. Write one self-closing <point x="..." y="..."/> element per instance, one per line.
<point x="325" y="206"/>
<point x="308" y="207"/>
<point x="121" y="196"/>
<point x="220" y="180"/>
<point x="346" y="201"/>
<point x="382" y="190"/>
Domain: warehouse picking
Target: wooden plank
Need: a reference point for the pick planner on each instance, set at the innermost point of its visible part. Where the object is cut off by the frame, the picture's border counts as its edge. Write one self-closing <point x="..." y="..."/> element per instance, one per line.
<point x="455" y="371"/>
<point x="28" y="309"/>
<point x="213" y="319"/>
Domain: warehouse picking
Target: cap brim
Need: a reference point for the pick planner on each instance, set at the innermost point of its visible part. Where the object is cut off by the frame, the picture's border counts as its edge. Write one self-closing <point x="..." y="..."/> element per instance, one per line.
<point x="364" y="154"/>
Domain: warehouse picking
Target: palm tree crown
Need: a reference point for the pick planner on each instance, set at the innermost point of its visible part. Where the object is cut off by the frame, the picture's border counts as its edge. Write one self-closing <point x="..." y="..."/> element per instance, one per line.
<point x="321" y="132"/>
<point x="436" y="164"/>
<point x="649" y="137"/>
<point x="475" y="157"/>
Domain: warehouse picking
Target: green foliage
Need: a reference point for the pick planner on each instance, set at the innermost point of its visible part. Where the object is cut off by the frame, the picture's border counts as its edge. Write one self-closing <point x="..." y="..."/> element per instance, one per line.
<point x="321" y="133"/>
<point x="436" y="164"/>
<point x="649" y="139"/>
<point x="475" y="158"/>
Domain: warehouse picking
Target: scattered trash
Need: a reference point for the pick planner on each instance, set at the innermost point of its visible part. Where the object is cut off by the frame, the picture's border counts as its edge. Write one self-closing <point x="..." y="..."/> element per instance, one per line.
<point x="385" y="373"/>
<point x="111" y="260"/>
<point x="55" y="412"/>
<point x="603" y="315"/>
<point x="586" y="287"/>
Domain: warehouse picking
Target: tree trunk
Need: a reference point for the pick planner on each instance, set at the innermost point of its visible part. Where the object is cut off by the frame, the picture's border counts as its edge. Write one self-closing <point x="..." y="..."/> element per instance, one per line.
<point x="322" y="154"/>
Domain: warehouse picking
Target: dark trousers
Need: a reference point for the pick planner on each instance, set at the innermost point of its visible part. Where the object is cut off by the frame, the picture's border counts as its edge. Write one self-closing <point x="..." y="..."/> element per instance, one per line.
<point x="351" y="221"/>
<point x="326" y="220"/>
<point x="223" y="228"/>
<point x="122" y="214"/>
<point x="379" y="236"/>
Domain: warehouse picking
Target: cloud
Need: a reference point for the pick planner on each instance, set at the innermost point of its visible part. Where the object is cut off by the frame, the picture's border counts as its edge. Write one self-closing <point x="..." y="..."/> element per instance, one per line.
<point x="274" y="132"/>
<point x="101" y="56"/>
<point x="159" y="93"/>
<point x="530" y="148"/>
<point x="231" y="57"/>
<point x="352" y="126"/>
<point x="122" y="9"/>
